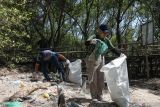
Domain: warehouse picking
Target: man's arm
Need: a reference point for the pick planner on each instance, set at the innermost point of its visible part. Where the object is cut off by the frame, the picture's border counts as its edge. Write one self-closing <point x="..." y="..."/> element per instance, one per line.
<point x="112" y="48"/>
<point x="63" y="58"/>
<point x="116" y="51"/>
<point x="90" y="40"/>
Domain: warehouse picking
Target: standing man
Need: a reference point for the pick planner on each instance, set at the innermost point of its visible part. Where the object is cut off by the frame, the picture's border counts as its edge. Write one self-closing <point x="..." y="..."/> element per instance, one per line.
<point x="55" y="59"/>
<point x="97" y="46"/>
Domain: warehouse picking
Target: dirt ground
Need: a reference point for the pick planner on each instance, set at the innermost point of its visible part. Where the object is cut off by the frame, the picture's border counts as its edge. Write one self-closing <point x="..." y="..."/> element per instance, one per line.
<point x="13" y="83"/>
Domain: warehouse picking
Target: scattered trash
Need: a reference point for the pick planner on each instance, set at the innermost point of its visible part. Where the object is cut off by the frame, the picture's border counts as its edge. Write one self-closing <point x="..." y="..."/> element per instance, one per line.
<point x="46" y="95"/>
<point x="35" y="76"/>
<point x="19" y="95"/>
<point x="97" y="103"/>
<point x="19" y="83"/>
<point x="26" y="98"/>
<point x="32" y="94"/>
<point x="72" y="104"/>
<point x="139" y="105"/>
<point x="136" y="105"/>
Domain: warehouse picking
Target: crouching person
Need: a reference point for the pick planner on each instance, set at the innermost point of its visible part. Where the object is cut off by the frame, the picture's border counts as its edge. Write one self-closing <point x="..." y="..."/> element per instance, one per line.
<point x="47" y="57"/>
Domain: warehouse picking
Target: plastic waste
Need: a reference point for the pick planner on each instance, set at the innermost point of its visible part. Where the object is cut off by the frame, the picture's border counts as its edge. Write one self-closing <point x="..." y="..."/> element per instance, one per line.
<point x="19" y="83"/>
<point x="73" y="104"/>
<point x="36" y="76"/>
<point x="13" y="104"/>
<point x="116" y="75"/>
<point x="22" y="84"/>
<point x="75" y="74"/>
<point x="46" y="95"/>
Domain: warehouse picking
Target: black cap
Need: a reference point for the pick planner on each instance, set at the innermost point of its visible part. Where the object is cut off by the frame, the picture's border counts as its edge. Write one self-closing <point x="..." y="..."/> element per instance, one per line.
<point x="104" y="28"/>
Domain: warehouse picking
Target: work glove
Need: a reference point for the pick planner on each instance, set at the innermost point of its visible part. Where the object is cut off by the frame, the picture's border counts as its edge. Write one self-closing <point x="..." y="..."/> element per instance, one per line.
<point x="67" y="62"/>
<point x="93" y="41"/>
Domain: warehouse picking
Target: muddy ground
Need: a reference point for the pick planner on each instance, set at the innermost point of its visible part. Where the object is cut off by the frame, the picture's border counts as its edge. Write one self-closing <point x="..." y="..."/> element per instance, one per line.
<point x="17" y="83"/>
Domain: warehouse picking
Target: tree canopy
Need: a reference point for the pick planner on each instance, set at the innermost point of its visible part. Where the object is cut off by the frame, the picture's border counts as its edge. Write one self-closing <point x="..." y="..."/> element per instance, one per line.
<point x="32" y="24"/>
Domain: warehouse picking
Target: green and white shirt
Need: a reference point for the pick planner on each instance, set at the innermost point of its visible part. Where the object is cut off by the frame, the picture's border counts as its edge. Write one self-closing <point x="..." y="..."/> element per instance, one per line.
<point x="91" y="47"/>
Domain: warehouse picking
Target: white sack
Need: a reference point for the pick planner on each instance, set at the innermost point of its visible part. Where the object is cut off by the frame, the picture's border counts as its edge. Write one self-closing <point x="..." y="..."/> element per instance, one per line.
<point x="116" y="75"/>
<point x="75" y="73"/>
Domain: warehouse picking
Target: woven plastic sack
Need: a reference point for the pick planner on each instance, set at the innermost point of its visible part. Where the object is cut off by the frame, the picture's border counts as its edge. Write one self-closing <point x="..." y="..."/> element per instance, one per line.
<point x="75" y="74"/>
<point x="116" y="75"/>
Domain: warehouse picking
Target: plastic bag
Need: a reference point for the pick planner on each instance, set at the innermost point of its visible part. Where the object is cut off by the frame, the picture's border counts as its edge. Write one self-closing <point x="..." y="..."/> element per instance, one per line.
<point x="13" y="104"/>
<point x="75" y="74"/>
<point x="116" y="75"/>
<point x="19" y="83"/>
<point x="101" y="48"/>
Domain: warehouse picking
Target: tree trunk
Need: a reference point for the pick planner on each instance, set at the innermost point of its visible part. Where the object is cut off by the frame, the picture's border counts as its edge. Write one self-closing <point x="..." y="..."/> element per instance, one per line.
<point x="88" y="11"/>
<point x="118" y="33"/>
<point x="118" y="36"/>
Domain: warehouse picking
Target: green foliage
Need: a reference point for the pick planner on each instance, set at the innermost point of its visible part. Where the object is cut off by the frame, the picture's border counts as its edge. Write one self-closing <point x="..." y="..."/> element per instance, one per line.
<point x="13" y="35"/>
<point x="32" y="24"/>
<point x="11" y="65"/>
<point x="13" y="17"/>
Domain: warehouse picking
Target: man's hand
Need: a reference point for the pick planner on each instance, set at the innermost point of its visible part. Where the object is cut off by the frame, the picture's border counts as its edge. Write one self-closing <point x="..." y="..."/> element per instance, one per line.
<point x="93" y="41"/>
<point x="67" y="62"/>
<point x="116" y="51"/>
